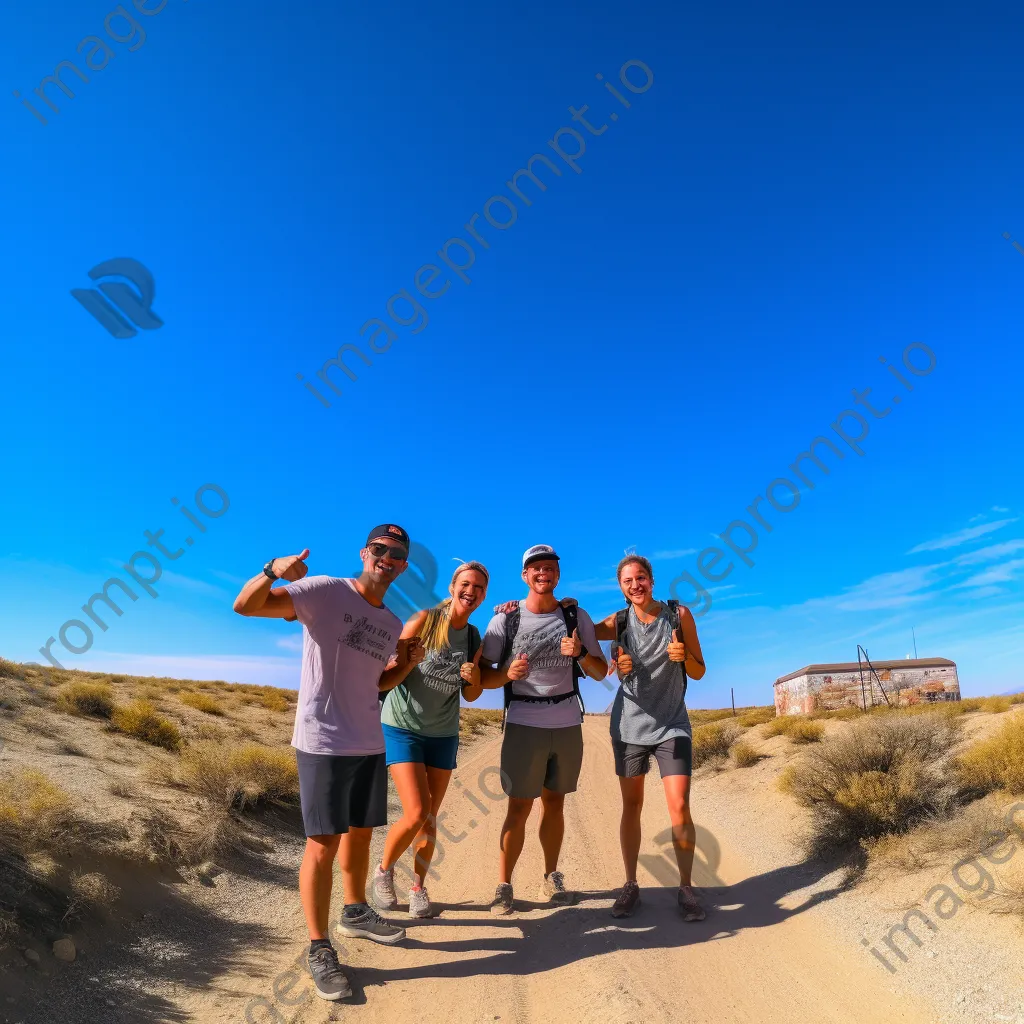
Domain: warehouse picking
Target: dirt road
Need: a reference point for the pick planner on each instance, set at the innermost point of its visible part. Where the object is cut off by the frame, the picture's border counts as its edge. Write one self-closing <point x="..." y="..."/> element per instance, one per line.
<point x="758" y="957"/>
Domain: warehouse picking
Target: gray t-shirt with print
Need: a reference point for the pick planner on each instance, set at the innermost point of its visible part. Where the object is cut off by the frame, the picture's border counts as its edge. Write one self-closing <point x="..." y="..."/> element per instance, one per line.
<point x="427" y="700"/>
<point x="540" y="636"/>
<point x="346" y="645"/>
<point x="649" y="705"/>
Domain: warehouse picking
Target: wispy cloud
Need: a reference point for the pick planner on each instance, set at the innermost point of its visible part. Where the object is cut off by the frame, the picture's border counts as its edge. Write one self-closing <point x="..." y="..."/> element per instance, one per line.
<point x="231" y="668"/>
<point x="953" y="540"/>
<point x="1004" y="573"/>
<point x="999" y="508"/>
<point x="667" y="556"/>
<point x="889" y="589"/>
<point x="991" y="553"/>
<point x="290" y="643"/>
<point x="188" y="583"/>
<point x="227" y="577"/>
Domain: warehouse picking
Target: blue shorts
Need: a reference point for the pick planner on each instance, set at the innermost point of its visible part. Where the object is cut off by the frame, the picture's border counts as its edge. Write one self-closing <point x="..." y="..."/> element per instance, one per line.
<point x="400" y="746"/>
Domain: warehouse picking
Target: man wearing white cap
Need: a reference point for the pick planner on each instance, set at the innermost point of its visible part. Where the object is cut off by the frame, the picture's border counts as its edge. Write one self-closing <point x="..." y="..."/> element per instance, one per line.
<point x="541" y="649"/>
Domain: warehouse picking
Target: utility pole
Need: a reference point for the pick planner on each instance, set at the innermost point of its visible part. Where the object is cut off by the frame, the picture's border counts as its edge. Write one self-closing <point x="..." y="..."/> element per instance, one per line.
<point x="732" y="697"/>
<point x="914" y="635"/>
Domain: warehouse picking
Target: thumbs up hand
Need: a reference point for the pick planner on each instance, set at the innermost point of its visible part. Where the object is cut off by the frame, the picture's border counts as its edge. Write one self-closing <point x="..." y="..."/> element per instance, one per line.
<point x="519" y="667"/>
<point x="291" y="567"/>
<point x="676" y="648"/>
<point x="621" y="662"/>
<point x="571" y="645"/>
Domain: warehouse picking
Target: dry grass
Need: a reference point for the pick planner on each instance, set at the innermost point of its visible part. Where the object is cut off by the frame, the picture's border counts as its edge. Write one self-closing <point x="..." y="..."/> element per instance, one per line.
<point x="744" y="755"/>
<point x="142" y="721"/>
<point x="798" y="728"/>
<point x="123" y="789"/>
<point x="973" y="830"/>
<point x="756" y="717"/>
<point x="996" y="762"/>
<point x="712" y="742"/>
<point x="90" y="892"/>
<point x="86" y="699"/>
<point x="34" y="813"/>
<point x="475" y="722"/>
<point x="705" y="716"/>
<point x="836" y="714"/>
<point x="878" y="776"/>
<point x="8" y="926"/>
<point x="201" y="702"/>
<point x="240" y="777"/>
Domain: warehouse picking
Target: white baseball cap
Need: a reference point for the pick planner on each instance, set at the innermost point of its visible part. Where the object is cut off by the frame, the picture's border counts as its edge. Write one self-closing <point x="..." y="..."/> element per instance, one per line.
<point x="539" y="553"/>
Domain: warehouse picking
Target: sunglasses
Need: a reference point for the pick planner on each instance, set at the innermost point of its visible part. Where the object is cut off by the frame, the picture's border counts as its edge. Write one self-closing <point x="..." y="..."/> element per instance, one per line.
<point x="379" y="550"/>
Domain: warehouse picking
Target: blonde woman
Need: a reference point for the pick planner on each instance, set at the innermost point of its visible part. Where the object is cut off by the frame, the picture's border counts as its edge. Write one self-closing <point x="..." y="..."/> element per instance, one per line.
<point x="420" y="718"/>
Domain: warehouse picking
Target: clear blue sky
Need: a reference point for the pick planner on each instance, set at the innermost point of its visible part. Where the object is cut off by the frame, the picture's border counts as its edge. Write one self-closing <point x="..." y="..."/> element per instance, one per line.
<point x="801" y="191"/>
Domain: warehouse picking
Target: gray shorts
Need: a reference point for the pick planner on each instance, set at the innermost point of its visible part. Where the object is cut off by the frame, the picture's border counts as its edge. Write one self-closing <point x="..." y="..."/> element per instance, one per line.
<point x="340" y="792"/>
<point x="532" y="759"/>
<point x="674" y="757"/>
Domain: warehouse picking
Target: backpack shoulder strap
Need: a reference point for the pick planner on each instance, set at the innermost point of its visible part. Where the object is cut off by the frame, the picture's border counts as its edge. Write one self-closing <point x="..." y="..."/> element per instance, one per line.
<point x="570" y="613"/>
<point x="675" y="616"/>
<point x="511" y="629"/>
<point x="474" y="641"/>
<point x="621" y="618"/>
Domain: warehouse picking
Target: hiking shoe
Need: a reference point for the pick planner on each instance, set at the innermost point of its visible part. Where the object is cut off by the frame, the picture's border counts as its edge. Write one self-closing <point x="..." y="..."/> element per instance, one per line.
<point x="627" y="901"/>
<point x="328" y="978"/>
<point x="368" y="924"/>
<point x="502" y="902"/>
<point x="382" y="891"/>
<point x="419" y="902"/>
<point x="689" y="907"/>
<point x="554" y="888"/>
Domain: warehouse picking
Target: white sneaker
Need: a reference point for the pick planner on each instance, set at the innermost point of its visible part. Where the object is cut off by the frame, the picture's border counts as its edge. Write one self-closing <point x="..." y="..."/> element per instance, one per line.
<point x="382" y="891"/>
<point x="554" y="888"/>
<point x="419" y="902"/>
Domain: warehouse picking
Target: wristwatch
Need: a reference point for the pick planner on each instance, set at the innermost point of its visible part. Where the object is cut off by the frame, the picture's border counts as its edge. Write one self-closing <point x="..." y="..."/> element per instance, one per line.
<point x="268" y="570"/>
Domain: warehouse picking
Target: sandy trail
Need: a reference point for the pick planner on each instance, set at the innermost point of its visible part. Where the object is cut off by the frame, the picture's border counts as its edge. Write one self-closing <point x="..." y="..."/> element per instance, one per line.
<point x="757" y="957"/>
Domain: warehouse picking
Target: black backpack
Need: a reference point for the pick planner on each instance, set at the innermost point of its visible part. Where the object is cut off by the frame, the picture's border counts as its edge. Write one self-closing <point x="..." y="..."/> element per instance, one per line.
<point x="569" y="613"/>
<point x="474" y="644"/>
<point x="622" y="616"/>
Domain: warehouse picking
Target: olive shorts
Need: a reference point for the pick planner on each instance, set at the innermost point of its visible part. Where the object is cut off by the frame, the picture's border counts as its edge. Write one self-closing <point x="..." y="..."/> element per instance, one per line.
<point x="533" y="759"/>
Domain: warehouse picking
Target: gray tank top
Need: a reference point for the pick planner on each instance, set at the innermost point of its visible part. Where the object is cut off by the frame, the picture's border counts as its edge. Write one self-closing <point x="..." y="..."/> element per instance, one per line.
<point x="649" y="707"/>
<point x="427" y="700"/>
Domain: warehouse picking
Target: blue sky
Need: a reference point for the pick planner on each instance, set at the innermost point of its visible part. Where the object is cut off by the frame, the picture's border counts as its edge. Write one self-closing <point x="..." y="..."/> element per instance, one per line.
<point x="633" y="361"/>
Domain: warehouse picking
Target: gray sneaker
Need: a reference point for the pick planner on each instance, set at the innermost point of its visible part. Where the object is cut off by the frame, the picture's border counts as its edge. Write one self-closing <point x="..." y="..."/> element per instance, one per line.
<point x="502" y="902"/>
<point x="554" y="888"/>
<point x="382" y="891"/>
<point x="328" y="978"/>
<point x="628" y="900"/>
<point x="368" y="924"/>
<point x="419" y="902"/>
<point x="689" y="906"/>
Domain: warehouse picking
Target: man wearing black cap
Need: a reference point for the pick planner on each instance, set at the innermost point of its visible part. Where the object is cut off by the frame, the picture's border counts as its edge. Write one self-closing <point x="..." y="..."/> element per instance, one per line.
<point x="350" y="649"/>
<point x="542" y="749"/>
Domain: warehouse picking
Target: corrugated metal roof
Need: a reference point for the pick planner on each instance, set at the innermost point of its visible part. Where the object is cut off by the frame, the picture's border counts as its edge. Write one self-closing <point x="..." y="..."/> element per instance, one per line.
<point x="852" y="666"/>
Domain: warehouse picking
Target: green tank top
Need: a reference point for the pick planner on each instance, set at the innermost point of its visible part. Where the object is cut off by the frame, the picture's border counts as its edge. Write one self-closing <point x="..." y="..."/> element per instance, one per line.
<point x="427" y="701"/>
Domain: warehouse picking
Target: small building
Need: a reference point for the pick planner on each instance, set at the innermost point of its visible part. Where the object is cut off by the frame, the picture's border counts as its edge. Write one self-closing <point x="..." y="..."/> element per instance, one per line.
<point x="863" y="685"/>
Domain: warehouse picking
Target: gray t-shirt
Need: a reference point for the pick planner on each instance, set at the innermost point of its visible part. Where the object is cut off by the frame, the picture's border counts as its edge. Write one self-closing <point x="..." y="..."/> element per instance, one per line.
<point x="649" y="707"/>
<point x="346" y="645"/>
<point x="540" y="636"/>
<point x="427" y="700"/>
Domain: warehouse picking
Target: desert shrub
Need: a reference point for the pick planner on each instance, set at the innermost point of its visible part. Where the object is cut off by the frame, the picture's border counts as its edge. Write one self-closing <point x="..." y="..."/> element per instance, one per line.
<point x="744" y="754"/>
<point x="90" y="892"/>
<point x="86" y="699"/>
<point x="268" y="697"/>
<point x="756" y="717"/>
<point x="996" y="705"/>
<point x="123" y="789"/>
<point x="142" y="721"/>
<point x="240" y="776"/>
<point x="878" y="776"/>
<point x="1017" y="698"/>
<point x="34" y="812"/>
<point x="803" y="731"/>
<point x="475" y="721"/>
<point x="713" y="741"/>
<point x="996" y="762"/>
<point x="11" y="669"/>
<point x="201" y="702"/>
<point x="837" y="714"/>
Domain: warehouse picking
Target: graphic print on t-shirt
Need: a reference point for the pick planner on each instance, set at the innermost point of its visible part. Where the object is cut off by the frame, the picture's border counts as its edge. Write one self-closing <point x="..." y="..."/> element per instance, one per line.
<point x="542" y="646"/>
<point x="441" y="670"/>
<point x="366" y="638"/>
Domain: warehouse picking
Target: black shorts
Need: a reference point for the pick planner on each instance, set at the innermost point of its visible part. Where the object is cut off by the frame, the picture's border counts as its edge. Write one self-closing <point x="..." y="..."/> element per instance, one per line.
<point x="674" y="756"/>
<point x="533" y="759"/>
<point x="339" y="792"/>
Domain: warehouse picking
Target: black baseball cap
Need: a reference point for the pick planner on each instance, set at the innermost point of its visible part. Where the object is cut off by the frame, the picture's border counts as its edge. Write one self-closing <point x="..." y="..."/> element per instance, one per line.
<point x="391" y="531"/>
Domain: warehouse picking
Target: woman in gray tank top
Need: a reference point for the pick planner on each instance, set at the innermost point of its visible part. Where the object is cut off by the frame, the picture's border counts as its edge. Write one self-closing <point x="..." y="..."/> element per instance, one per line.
<point x="420" y="719"/>
<point x="654" y="650"/>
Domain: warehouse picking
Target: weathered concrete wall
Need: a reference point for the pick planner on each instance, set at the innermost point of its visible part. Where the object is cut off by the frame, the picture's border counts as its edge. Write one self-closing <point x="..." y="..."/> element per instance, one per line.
<point x="829" y="691"/>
